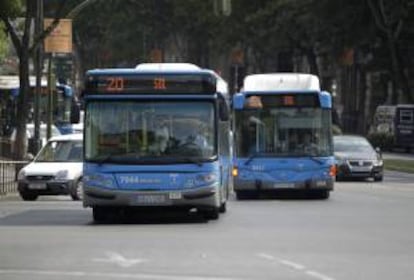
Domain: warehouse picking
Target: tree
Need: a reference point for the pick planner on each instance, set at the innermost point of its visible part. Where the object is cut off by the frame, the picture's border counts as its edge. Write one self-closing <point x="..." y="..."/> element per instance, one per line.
<point x="390" y="17"/>
<point x="25" y="46"/>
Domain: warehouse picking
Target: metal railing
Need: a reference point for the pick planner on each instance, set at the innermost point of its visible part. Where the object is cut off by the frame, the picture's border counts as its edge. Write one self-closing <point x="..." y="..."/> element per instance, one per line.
<point x="8" y="175"/>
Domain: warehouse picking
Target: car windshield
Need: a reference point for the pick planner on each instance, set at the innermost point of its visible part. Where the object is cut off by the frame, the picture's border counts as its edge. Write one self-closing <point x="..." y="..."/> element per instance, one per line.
<point x="351" y="145"/>
<point x="61" y="151"/>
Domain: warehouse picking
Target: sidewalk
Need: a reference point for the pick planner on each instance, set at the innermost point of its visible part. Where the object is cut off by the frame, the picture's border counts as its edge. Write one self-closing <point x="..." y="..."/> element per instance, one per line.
<point x="10" y="197"/>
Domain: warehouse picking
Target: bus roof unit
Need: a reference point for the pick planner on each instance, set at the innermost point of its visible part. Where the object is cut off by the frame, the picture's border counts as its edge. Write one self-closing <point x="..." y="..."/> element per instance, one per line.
<point x="281" y="82"/>
<point x="167" y="67"/>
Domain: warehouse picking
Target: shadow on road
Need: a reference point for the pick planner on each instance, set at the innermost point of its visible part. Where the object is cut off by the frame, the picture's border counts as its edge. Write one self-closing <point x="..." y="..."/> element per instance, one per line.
<point x="81" y="217"/>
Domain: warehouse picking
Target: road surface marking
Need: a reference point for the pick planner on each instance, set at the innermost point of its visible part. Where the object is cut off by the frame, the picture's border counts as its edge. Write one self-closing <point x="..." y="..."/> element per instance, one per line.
<point x="291" y="264"/>
<point x="318" y="275"/>
<point x="266" y="256"/>
<point x="116" y="258"/>
<point x="295" y="266"/>
<point x="105" y="275"/>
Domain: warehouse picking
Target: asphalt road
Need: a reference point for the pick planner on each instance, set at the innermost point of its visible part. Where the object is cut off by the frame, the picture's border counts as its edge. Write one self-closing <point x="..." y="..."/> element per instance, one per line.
<point x="364" y="231"/>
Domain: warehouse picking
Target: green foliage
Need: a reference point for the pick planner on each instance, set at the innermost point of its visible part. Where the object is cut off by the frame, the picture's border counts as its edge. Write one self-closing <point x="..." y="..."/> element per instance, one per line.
<point x="10" y="8"/>
<point x="385" y="141"/>
<point x="399" y="165"/>
<point x="3" y="42"/>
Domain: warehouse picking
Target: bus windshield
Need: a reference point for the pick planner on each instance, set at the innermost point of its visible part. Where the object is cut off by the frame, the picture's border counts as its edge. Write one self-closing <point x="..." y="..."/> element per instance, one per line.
<point x="134" y="132"/>
<point x="284" y="132"/>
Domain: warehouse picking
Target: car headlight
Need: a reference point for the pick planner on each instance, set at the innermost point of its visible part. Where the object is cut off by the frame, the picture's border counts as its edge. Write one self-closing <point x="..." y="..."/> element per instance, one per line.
<point x="378" y="162"/>
<point x="21" y="175"/>
<point x="61" y="175"/>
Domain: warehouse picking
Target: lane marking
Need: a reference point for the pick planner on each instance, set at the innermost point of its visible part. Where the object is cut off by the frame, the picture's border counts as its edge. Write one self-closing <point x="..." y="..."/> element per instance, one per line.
<point x="266" y="256"/>
<point x="291" y="264"/>
<point x="108" y="275"/>
<point x="118" y="259"/>
<point x="295" y="266"/>
<point x="318" y="275"/>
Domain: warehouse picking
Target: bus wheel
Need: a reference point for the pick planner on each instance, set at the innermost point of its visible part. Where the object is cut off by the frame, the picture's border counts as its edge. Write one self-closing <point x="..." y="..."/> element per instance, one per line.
<point x="240" y="195"/>
<point x="223" y="208"/>
<point x="100" y="214"/>
<point x="319" y="194"/>
<point x="211" y="213"/>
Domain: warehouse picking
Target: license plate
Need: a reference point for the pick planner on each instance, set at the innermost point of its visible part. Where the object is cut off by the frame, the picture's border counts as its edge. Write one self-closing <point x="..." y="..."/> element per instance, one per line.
<point x="361" y="169"/>
<point x="175" y="195"/>
<point x="37" y="186"/>
<point x="283" y="185"/>
<point x="152" y="199"/>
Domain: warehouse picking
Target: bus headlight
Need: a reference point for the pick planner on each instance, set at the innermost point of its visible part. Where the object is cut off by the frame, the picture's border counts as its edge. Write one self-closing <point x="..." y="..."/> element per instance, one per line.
<point x="99" y="180"/>
<point x="208" y="178"/>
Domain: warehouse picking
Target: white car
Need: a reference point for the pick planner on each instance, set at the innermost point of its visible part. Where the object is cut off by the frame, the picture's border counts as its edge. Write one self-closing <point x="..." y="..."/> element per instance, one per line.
<point x="56" y="170"/>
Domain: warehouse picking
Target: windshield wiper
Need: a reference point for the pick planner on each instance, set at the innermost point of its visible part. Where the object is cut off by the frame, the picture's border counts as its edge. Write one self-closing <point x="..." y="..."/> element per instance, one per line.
<point x="314" y="158"/>
<point x="105" y="158"/>
<point x="199" y="162"/>
<point x="251" y="157"/>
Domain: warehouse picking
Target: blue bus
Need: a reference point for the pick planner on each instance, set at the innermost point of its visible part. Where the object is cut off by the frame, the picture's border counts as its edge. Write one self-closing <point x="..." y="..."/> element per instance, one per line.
<point x="156" y="136"/>
<point x="283" y="136"/>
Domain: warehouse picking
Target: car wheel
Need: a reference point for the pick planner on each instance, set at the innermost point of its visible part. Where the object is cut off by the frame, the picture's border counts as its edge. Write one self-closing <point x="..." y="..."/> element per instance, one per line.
<point x="28" y="196"/>
<point x="378" y="178"/>
<point x="77" y="191"/>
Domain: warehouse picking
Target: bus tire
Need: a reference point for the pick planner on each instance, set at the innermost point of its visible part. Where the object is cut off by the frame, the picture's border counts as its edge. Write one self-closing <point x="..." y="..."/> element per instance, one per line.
<point x="223" y="208"/>
<point x="211" y="213"/>
<point x="241" y="195"/>
<point x="323" y="194"/>
<point x="100" y="214"/>
<point x="319" y="194"/>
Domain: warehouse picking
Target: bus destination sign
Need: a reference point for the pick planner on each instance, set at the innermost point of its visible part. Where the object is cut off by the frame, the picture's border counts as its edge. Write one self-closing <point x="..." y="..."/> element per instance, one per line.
<point x="150" y="84"/>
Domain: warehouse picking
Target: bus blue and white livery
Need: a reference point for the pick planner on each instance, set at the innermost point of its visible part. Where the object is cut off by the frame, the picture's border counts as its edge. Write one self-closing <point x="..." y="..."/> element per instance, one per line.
<point x="283" y="136"/>
<point x="156" y="135"/>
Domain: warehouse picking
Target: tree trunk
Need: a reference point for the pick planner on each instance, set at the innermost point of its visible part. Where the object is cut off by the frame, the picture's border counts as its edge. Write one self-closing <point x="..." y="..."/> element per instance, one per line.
<point x="313" y="65"/>
<point x="399" y="78"/>
<point x="22" y="108"/>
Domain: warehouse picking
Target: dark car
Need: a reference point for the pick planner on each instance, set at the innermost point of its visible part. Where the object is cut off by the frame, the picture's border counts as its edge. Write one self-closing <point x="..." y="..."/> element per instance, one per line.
<point x="356" y="158"/>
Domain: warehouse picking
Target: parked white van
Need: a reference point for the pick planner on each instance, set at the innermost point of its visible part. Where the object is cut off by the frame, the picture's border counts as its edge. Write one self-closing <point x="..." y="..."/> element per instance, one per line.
<point x="56" y="169"/>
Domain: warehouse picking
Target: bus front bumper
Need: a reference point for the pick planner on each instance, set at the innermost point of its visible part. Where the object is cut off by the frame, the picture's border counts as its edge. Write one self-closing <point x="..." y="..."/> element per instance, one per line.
<point x="259" y="185"/>
<point x="205" y="196"/>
